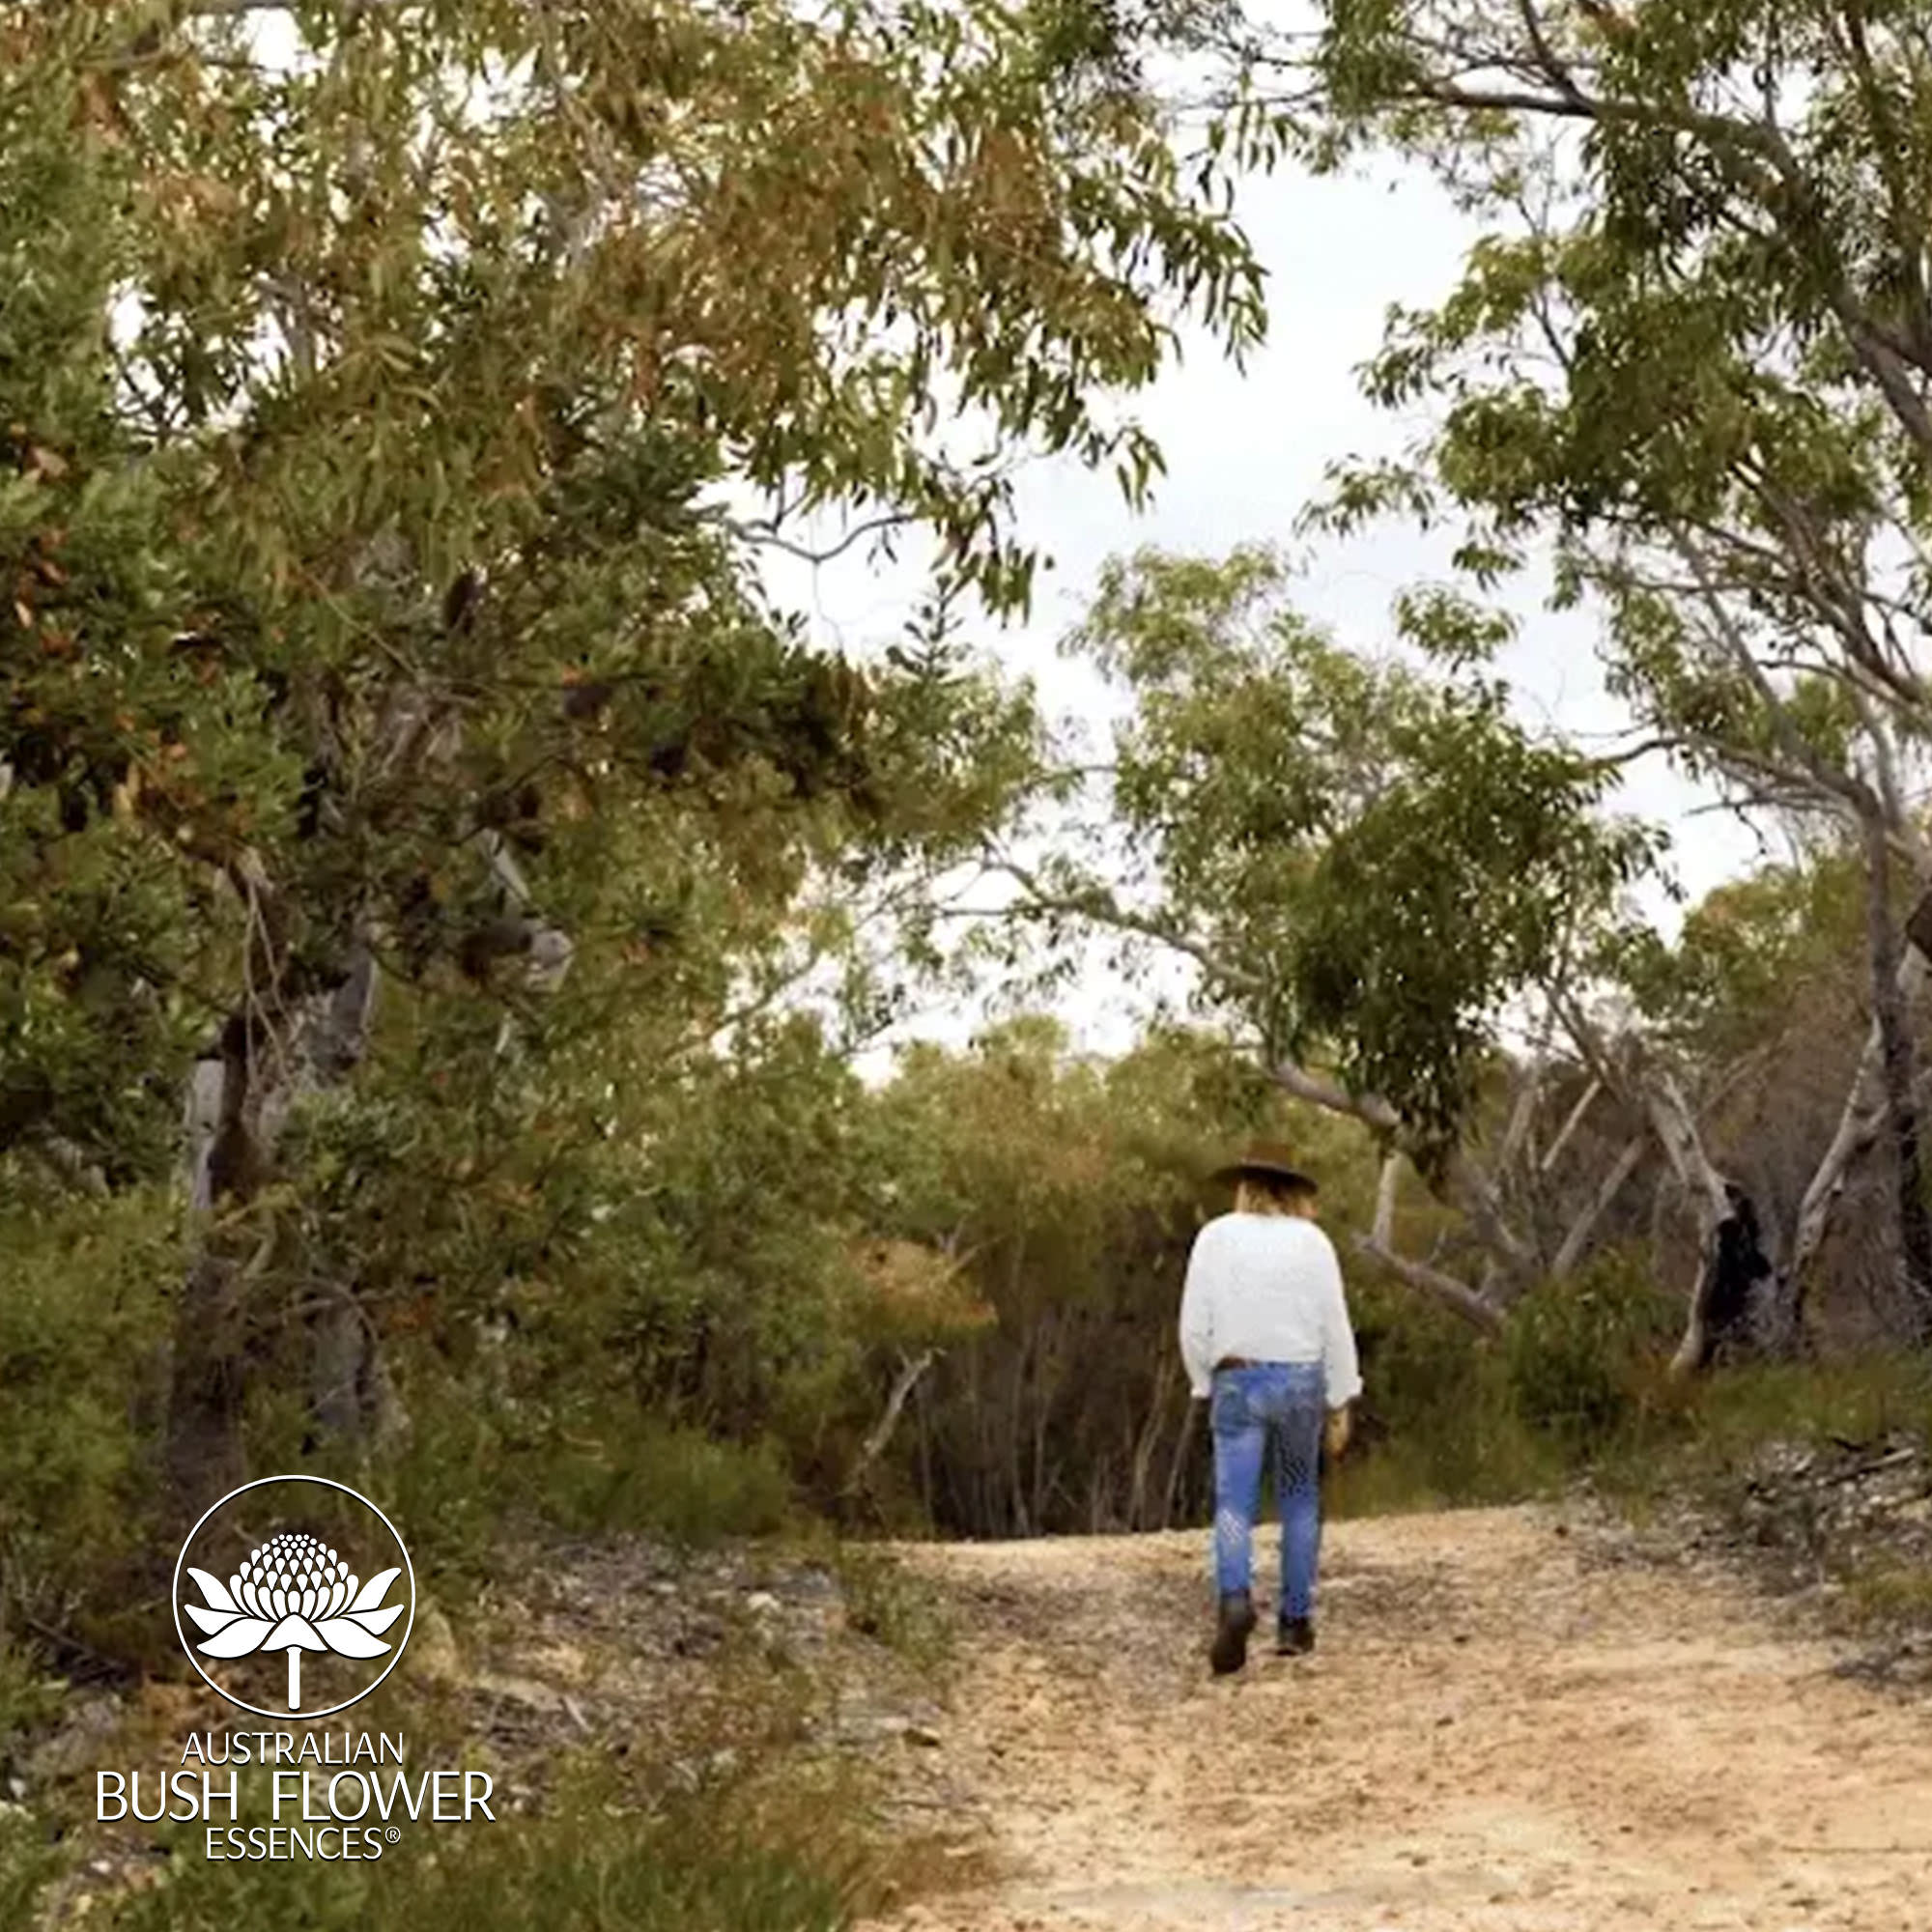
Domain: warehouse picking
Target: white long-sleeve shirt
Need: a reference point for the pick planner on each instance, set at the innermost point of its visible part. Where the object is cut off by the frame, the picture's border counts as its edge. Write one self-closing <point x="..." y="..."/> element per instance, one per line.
<point x="1267" y="1288"/>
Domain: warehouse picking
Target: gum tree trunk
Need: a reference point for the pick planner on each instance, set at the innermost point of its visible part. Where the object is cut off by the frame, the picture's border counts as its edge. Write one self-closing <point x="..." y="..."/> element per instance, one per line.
<point x="240" y="1102"/>
<point x="1896" y="1078"/>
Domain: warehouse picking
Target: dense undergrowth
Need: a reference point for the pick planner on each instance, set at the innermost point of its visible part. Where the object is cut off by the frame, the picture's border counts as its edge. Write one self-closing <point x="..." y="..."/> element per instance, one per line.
<point x="595" y="1861"/>
<point x="1575" y="1388"/>
<point x="1578" y="1394"/>
<point x="754" y="1854"/>
<point x="1579" y="1387"/>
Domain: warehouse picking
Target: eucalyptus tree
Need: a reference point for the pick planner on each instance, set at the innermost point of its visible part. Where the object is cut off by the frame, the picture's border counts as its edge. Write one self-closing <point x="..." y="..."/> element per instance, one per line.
<point x="1375" y="868"/>
<point x="382" y="390"/>
<point x="1688" y="357"/>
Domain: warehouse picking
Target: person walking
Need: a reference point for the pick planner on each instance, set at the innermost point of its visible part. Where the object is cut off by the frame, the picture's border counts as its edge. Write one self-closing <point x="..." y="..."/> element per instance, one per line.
<point x="1268" y="1344"/>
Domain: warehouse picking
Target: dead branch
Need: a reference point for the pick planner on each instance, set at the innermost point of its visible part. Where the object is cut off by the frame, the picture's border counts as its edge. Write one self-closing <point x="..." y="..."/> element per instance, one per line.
<point x="911" y="1367"/>
<point x="1445" y="1288"/>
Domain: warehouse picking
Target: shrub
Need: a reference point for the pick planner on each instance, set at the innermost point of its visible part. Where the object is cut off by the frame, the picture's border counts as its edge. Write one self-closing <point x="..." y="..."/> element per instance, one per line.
<point x="1439" y="1429"/>
<point x="28" y="1861"/>
<point x="674" y="1483"/>
<point x="887" y="1602"/>
<point x="585" y="1470"/>
<point x="82" y="1322"/>
<point x="594" y="1861"/>
<point x="28" y="1697"/>
<point x="1582" y="1356"/>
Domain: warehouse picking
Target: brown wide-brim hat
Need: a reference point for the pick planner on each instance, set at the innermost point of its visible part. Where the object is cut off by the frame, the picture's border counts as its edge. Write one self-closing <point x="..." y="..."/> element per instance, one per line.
<point x="1269" y="1160"/>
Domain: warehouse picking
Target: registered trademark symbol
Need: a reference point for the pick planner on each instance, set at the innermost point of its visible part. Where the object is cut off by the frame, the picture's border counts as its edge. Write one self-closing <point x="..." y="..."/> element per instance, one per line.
<point x="394" y="1836"/>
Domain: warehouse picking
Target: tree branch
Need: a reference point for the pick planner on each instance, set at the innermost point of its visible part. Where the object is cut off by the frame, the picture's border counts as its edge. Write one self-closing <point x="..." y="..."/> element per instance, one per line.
<point x="911" y="1367"/>
<point x="767" y="535"/>
<point x="1386" y="1191"/>
<point x="1468" y="1186"/>
<point x="1371" y="1111"/>
<point x="1744" y="149"/>
<point x="1445" y="1288"/>
<point x="1099" y="906"/>
<point x="1521" y="1115"/>
<point x="1572" y="1121"/>
<point x="1579" y="1231"/>
<point x="1829" y="778"/>
<point x="1547" y="57"/>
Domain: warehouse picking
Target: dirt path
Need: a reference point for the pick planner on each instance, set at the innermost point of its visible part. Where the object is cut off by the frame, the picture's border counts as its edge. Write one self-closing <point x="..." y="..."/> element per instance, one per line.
<point x="1497" y="1731"/>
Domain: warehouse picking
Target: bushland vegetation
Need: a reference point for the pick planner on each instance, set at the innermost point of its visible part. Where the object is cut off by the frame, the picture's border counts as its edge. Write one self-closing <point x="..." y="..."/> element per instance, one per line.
<point x="448" y="915"/>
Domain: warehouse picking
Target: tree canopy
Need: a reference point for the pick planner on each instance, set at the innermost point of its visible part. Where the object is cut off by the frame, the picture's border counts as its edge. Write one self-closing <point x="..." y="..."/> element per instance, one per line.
<point x="1368" y="862"/>
<point x="396" y="400"/>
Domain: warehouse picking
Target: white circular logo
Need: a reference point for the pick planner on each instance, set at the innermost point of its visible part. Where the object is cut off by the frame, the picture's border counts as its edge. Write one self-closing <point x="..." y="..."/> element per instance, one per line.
<point x="289" y="1594"/>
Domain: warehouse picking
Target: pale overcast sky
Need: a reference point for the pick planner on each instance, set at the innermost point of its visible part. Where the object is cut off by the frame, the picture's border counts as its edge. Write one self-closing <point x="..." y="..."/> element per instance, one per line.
<point x="1244" y="453"/>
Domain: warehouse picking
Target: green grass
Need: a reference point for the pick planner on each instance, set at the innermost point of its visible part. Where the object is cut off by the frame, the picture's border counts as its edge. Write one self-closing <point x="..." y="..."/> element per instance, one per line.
<point x="886" y="1601"/>
<point x="1706" y="1433"/>
<point x="1858" y="1400"/>
<point x="1887" y="1594"/>
<point x="28" y="1863"/>
<point x="1511" y="1465"/>
<point x="735" y="1860"/>
<point x="1505" y="1436"/>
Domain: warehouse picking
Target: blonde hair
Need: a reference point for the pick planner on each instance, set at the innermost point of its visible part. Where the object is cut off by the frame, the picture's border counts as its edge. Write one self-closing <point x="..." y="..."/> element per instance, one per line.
<point x="1256" y="1196"/>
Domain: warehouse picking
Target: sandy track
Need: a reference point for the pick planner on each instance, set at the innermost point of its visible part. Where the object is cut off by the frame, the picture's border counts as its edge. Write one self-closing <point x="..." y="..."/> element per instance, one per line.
<point x="1498" y="1730"/>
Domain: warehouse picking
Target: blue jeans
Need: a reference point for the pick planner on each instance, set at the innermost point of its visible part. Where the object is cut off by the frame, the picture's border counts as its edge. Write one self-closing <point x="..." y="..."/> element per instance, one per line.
<point x="1278" y="1407"/>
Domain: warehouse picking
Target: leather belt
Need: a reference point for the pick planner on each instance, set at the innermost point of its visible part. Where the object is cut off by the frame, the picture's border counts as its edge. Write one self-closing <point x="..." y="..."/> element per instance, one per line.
<point x="1237" y="1362"/>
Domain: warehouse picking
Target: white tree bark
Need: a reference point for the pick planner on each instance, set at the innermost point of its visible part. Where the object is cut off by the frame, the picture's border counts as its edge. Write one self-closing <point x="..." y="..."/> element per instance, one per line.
<point x="1572" y="1121"/>
<point x="1386" y="1191"/>
<point x="1445" y="1288"/>
<point x="1676" y="1130"/>
<point x="1577" y="1235"/>
<point x="1860" y="1121"/>
<point x="202" y="1116"/>
<point x="911" y="1367"/>
<point x="1466" y="1185"/>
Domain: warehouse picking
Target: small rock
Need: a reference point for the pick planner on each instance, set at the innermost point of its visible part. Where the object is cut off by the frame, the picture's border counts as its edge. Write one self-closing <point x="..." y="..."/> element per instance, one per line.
<point x="522" y="1690"/>
<point x="923" y="1734"/>
<point x="811" y="1586"/>
<point x="433" y="1644"/>
<point x="75" y="1746"/>
<point x="761" y="1604"/>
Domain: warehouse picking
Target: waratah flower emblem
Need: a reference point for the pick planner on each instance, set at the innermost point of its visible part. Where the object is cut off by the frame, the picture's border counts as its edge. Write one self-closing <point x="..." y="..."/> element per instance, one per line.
<point x="293" y="1593"/>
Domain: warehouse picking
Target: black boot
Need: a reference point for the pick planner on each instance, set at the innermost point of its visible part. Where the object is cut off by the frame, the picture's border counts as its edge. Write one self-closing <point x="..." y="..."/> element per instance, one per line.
<point x="1230" y="1649"/>
<point x="1293" y="1637"/>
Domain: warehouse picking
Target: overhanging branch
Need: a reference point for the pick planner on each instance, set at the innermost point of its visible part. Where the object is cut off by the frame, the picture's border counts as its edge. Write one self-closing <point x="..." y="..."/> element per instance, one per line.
<point x="1445" y="1288"/>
